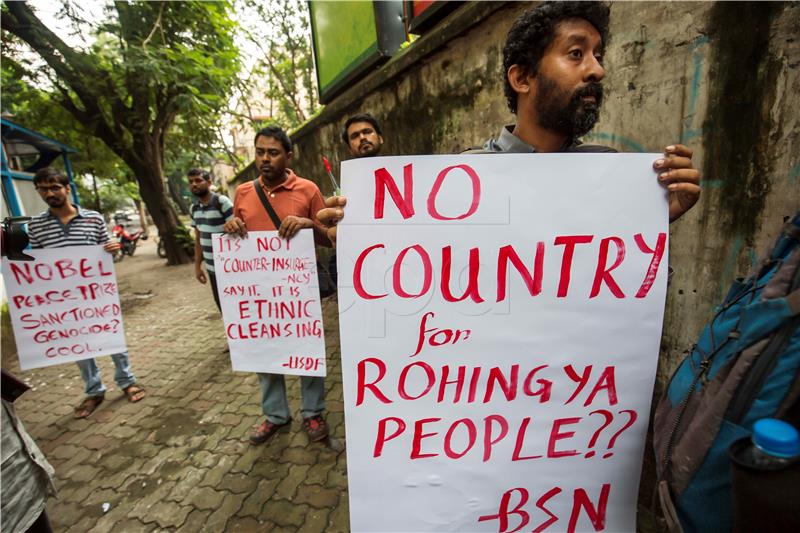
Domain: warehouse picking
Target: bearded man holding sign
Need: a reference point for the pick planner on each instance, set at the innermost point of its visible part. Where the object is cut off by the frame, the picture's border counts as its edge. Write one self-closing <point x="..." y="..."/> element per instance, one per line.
<point x="506" y="387"/>
<point x="552" y="60"/>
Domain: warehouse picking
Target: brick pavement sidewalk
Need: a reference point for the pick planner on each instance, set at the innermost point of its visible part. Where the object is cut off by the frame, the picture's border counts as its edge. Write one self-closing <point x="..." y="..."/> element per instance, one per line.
<point x="179" y="460"/>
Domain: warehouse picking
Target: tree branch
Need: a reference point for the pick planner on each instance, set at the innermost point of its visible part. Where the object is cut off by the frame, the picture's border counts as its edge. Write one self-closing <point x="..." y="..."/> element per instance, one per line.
<point x="69" y="65"/>
<point x="290" y="95"/>
<point x="165" y="111"/>
<point x="134" y="84"/>
<point x="155" y="26"/>
<point x="235" y="159"/>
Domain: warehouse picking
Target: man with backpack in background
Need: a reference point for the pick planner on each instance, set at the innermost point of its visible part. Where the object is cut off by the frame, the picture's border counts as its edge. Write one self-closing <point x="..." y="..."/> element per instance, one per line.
<point x="209" y="215"/>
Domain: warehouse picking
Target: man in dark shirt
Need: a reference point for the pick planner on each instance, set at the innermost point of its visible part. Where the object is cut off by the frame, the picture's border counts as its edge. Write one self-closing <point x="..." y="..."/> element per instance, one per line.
<point x="362" y="135"/>
<point x="553" y="66"/>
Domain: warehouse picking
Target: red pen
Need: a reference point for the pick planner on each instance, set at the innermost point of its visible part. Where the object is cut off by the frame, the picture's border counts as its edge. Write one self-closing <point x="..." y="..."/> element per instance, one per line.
<point x="336" y="190"/>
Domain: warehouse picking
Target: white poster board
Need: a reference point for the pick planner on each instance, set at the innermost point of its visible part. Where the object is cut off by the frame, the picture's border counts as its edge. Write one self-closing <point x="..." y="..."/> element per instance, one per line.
<point x="500" y="320"/>
<point x="64" y="305"/>
<point x="269" y="293"/>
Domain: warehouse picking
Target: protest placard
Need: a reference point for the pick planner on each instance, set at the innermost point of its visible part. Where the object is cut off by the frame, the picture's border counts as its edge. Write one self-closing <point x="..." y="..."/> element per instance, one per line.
<point x="64" y="305"/>
<point x="269" y="293"/>
<point x="500" y="320"/>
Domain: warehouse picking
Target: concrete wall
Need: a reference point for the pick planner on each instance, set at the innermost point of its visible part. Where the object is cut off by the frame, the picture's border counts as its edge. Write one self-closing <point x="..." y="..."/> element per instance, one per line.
<point x="720" y="77"/>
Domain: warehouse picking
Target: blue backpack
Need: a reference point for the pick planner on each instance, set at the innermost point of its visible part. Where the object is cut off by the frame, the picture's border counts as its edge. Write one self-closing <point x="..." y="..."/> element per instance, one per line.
<point x="744" y="367"/>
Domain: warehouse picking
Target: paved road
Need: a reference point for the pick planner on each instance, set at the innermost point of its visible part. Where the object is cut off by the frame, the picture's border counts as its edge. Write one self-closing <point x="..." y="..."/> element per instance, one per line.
<point x="179" y="460"/>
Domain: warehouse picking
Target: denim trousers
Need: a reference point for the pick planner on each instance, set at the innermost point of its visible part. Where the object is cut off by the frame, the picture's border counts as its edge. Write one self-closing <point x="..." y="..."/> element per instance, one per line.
<point x="273" y="397"/>
<point x="90" y="373"/>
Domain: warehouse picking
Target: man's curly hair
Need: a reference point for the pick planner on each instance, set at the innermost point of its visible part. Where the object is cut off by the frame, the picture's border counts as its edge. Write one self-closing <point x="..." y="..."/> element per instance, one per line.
<point x="533" y="31"/>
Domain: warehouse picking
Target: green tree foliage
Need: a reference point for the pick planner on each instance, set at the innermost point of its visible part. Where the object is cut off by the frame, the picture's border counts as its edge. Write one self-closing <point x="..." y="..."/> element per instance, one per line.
<point x="113" y="195"/>
<point x="36" y="108"/>
<point x="154" y="67"/>
<point x="280" y="32"/>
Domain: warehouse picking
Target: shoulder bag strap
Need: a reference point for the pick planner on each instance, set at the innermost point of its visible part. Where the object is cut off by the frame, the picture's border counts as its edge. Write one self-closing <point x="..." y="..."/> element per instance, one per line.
<point x="215" y="202"/>
<point x="263" y="197"/>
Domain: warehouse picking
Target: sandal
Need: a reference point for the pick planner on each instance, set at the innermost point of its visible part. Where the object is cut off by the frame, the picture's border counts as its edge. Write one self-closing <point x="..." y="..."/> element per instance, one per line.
<point x="134" y="393"/>
<point x="87" y="406"/>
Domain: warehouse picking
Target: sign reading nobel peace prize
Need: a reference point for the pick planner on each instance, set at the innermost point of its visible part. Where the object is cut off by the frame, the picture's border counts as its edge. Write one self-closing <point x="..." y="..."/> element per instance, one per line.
<point x="64" y="305"/>
<point x="269" y="294"/>
<point x="500" y="324"/>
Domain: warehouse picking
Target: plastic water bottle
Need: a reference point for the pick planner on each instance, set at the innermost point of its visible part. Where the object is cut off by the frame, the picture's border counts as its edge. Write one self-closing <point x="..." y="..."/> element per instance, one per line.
<point x="774" y="444"/>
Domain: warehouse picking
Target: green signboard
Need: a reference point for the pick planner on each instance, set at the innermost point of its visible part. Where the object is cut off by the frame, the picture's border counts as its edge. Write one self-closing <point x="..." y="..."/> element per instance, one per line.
<point x="350" y="38"/>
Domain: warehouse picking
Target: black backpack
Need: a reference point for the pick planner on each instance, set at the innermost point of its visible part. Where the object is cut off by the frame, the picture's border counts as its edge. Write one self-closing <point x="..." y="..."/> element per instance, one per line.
<point x="214" y="204"/>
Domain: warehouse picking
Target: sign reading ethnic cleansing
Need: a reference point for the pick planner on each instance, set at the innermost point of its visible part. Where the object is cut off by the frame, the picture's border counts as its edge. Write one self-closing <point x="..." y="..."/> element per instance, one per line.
<point x="269" y="292"/>
<point x="64" y="305"/>
<point x="500" y="325"/>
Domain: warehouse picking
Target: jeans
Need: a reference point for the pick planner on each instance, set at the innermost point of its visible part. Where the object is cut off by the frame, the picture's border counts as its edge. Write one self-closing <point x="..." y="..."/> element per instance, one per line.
<point x="273" y="397"/>
<point x="90" y="373"/>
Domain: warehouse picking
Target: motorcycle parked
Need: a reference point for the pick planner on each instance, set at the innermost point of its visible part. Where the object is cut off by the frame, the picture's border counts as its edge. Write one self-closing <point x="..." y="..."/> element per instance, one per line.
<point x="127" y="241"/>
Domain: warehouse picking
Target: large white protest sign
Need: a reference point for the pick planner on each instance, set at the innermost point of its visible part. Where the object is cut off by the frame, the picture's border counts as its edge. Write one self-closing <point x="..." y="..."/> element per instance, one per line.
<point x="269" y="293"/>
<point x="500" y="322"/>
<point x="64" y="305"/>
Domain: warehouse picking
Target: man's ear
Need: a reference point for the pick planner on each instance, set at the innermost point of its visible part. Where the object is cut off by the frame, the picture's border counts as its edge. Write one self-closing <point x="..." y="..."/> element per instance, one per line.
<point x="519" y="78"/>
<point x="380" y="138"/>
<point x="289" y="155"/>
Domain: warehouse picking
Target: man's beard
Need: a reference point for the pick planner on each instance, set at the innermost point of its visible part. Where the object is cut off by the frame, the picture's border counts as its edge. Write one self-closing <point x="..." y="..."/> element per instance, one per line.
<point x="573" y="119"/>
<point x="56" y="202"/>
<point x="371" y="149"/>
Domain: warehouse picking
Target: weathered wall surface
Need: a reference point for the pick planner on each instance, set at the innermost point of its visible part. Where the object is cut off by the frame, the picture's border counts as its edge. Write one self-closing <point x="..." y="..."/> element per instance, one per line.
<point x="722" y="78"/>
